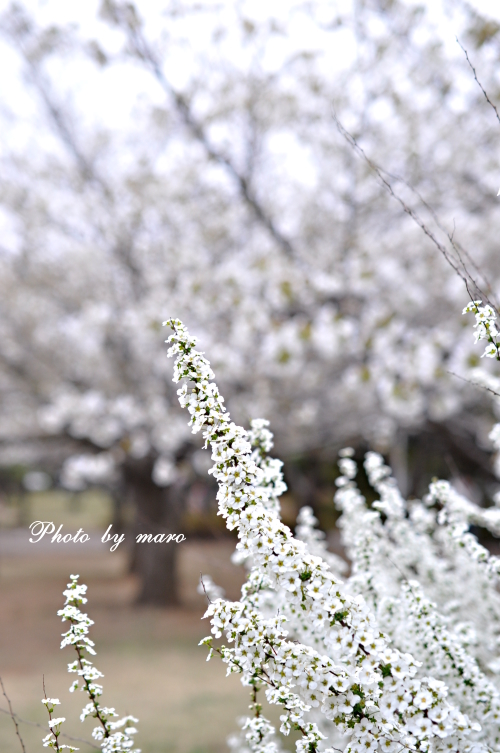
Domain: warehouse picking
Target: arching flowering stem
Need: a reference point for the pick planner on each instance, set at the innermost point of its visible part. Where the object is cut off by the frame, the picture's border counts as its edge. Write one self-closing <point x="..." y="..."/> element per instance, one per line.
<point x="356" y="684"/>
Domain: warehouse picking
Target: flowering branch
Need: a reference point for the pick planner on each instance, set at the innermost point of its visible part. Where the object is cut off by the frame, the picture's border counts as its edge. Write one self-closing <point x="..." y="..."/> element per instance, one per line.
<point x="485" y="327"/>
<point x="112" y="740"/>
<point x="52" y="739"/>
<point x="356" y="689"/>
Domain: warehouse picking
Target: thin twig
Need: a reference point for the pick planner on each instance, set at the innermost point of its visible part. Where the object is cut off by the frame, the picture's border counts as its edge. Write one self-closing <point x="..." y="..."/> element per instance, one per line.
<point x="203" y="586"/>
<point x="146" y="54"/>
<point x="476" y="384"/>
<point x="12" y="716"/>
<point x="477" y="80"/>
<point x="42" y="726"/>
<point x="51" y="730"/>
<point x="464" y="275"/>
<point x="399" y="570"/>
<point x="458" y="248"/>
<point x="55" y="742"/>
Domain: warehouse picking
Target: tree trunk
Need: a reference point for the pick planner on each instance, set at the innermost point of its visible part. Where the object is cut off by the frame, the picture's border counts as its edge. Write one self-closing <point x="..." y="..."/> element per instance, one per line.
<point x="398" y="459"/>
<point x="157" y="510"/>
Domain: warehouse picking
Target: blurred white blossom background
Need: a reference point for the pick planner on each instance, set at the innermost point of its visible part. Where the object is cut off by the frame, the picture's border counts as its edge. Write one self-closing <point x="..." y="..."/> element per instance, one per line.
<point x="183" y="159"/>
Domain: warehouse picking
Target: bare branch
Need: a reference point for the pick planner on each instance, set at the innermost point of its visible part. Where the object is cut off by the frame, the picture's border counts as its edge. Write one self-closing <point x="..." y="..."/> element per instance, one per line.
<point x="41" y="726"/>
<point x="459" y="268"/>
<point x="12" y="716"/>
<point x="203" y="586"/>
<point x="18" y="28"/>
<point x="143" y="51"/>
<point x="475" y="384"/>
<point x="478" y="81"/>
<point x="458" y="248"/>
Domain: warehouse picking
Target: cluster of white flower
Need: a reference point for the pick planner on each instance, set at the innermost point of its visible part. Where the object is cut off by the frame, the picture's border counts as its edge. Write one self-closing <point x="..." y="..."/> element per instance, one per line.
<point x="121" y="427"/>
<point x="429" y="541"/>
<point x="314" y="539"/>
<point x="486" y="328"/>
<point x="52" y="739"/>
<point x="434" y="545"/>
<point x="113" y="739"/>
<point x="79" y="470"/>
<point x="257" y="734"/>
<point x="339" y="658"/>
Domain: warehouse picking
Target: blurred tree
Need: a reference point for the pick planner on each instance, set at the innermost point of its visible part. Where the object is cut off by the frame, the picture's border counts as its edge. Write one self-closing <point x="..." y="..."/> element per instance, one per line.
<point x="186" y="162"/>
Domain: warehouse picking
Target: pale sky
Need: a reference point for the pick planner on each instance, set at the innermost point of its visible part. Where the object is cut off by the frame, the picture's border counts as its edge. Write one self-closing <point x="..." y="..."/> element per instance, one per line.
<point x="108" y="95"/>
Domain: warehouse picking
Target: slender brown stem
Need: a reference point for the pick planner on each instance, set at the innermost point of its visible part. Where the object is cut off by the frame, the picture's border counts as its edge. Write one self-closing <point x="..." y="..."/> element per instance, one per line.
<point x="459" y="268"/>
<point x="203" y="586"/>
<point x="42" y="726"/>
<point x="89" y="690"/>
<point x="50" y="714"/>
<point x="478" y="81"/>
<point x="13" y="716"/>
<point x="475" y="384"/>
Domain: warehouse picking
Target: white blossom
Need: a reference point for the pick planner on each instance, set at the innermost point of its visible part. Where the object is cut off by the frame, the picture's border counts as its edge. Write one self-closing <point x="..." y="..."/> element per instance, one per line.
<point x="338" y="657"/>
<point x="112" y="738"/>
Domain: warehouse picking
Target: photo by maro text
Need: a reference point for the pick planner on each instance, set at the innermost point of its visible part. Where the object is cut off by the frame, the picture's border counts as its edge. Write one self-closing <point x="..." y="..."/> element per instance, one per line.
<point x="41" y="528"/>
